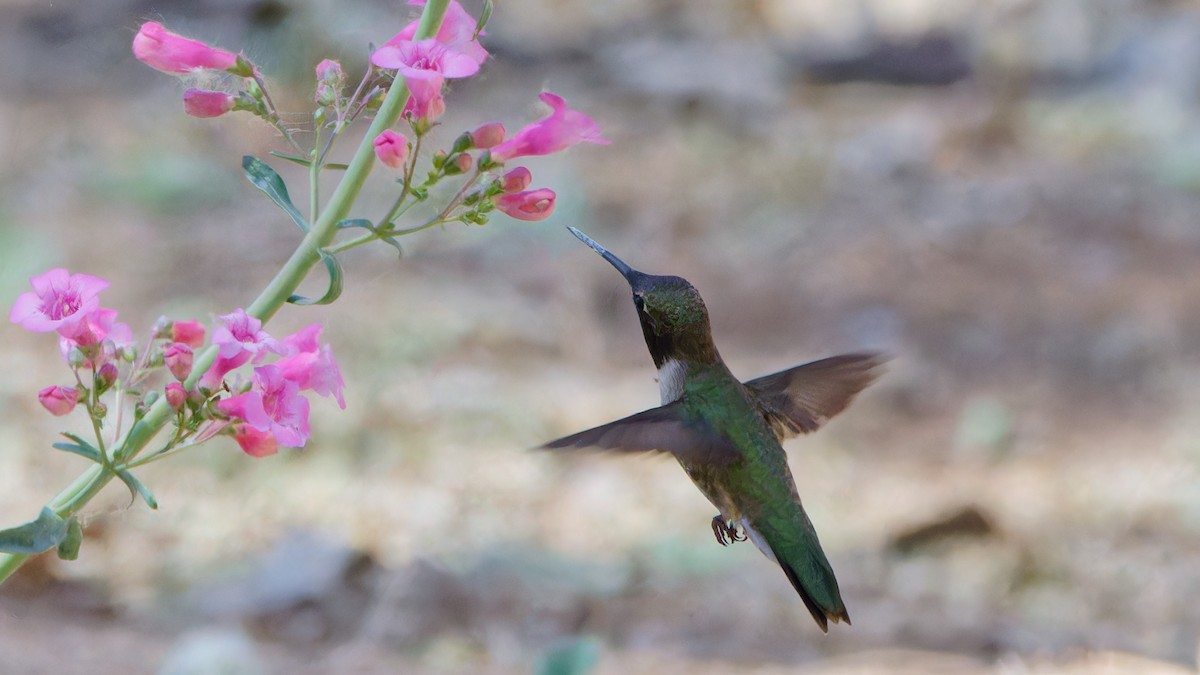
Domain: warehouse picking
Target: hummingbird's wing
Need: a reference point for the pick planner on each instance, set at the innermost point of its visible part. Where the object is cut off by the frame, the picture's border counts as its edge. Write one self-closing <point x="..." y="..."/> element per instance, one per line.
<point x="799" y="400"/>
<point x="661" y="429"/>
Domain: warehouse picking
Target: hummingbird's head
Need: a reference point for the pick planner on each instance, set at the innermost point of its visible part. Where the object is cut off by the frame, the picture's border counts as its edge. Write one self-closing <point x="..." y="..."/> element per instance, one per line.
<point x="671" y="311"/>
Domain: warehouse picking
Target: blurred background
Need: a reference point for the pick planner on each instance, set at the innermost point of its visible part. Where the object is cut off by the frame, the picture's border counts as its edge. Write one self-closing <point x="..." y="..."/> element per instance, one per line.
<point x="1002" y="194"/>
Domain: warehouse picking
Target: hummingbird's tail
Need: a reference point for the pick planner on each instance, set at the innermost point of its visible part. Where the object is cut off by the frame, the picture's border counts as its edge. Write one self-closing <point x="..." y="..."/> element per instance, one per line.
<point x="793" y="544"/>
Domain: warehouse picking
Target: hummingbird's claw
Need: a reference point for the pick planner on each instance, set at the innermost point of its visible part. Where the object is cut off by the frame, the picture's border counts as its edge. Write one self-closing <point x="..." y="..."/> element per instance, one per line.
<point x="725" y="532"/>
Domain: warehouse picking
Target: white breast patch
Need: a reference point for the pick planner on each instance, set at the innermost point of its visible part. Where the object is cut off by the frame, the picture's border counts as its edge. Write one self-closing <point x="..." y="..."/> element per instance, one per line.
<point x="670" y="380"/>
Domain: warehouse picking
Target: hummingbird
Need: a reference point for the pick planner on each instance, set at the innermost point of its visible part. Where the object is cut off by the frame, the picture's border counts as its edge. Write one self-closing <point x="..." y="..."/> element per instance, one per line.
<point x="727" y="433"/>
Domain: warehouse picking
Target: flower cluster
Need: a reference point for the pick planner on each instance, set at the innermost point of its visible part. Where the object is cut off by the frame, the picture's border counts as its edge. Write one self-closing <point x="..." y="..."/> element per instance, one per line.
<point x="262" y="415"/>
<point x="424" y="66"/>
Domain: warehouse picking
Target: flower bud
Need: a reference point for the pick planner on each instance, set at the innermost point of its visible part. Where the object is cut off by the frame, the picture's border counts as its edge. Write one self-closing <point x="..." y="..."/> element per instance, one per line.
<point x="163" y="50"/>
<point x="488" y="135"/>
<point x="516" y="180"/>
<point x="391" y="148"/>
<point x="204" y="104"/>
<point x="532" y="205"/>
<point x="330" y="79"/>
<point x="190" y="333"/>
<point x="177" y="357"/>
<point x="58" y="400"/>
<point x="106" y="377"/>
<point x="460" y="163"/>
<point x="176" y="395"/>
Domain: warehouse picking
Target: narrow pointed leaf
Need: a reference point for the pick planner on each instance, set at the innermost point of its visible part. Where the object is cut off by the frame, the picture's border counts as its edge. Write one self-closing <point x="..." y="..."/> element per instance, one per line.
<point x="40" y="535"/>
<point x="138" y="487"/>
<point x="68" y="548"/>
<point x="295" y="159"/>
<point x="335" y="166"/>
<point x="335" y="284"/>
<point x="263" y="177"/>
<point x="368" y="225"/>
<point x="391" y="241"/>
<point x="485" y="15"/>
<point x="89" y="452"/>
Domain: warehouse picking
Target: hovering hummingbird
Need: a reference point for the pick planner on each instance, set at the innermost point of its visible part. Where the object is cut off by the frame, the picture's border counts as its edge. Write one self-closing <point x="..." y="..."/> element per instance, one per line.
<point x="726" y="434"/>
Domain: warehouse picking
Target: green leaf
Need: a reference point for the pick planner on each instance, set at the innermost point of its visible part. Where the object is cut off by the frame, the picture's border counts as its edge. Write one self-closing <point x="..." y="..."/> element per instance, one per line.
<point x="88" y="451"/>
<point x="68" y="548"/>
<point x="266" y="179"/>
<point x="335" y="283"/>
<point x="40" y="535"/>
<point x="335" y="166"/>
<point x="138" y="487"/>
<point x="484" y="16"/>
<point x="368" y="225"/>
<point x="295" y="159"/>
<point x="576" y="656"/>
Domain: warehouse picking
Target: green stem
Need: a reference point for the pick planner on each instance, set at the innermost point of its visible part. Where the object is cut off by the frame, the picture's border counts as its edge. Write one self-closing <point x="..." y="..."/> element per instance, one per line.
<point x="285" y="283"/>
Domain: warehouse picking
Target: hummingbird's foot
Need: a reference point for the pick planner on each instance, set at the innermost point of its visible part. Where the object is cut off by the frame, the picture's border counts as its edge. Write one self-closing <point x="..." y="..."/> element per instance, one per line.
<point x="725" y="533"/>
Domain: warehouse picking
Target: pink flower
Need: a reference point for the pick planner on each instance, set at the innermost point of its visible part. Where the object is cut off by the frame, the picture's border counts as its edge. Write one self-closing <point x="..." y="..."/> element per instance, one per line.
<point x="516" y="180"/>
<point x="178" y="359"/>
<point x="425" y="65"/>
<point x="531" y="205"/>
<point x="58" y="400"/>
<point x="254" y="442"/>
<point x="203" y="103"/>
<point x="176" y="395"/>
<point x="312" y="366"/>
<point x="240" y="333"/>
<point x="273" y="405"/>
<point x="488" y="135"/>
<point x="60" y="301"/>
<point x="190" y="333"/>
<point x="163" y="50"/>
<point x="391" y="148"/>
<point x="561" y="130"/>
<point x="239" y="338"/>
<point x="98" y="336"/>
<point x="457" y="32"/>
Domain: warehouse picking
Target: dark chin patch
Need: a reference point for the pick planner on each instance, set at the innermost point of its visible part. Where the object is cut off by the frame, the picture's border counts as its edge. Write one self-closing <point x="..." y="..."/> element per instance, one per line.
<point x="662" y="347"/>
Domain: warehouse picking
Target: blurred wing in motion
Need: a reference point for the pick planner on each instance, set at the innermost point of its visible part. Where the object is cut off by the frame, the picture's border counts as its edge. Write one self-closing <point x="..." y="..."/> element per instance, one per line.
<point x="799" y="400"/>
<point x="660" y="429"/>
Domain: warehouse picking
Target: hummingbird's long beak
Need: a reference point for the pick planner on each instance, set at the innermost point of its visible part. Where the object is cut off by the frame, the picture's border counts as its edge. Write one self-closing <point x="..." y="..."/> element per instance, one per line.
<point x="627" y="271"/>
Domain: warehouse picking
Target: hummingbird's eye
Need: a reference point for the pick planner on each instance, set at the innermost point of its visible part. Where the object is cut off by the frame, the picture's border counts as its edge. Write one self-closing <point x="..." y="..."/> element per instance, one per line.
<point x="639" y="303"/>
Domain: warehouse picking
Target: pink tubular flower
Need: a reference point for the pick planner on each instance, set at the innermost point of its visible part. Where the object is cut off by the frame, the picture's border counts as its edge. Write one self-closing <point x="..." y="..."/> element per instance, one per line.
<point x="240" y="333"/>
<point x="391" y="148"/>
<point x="240" y="338"/>
<point x="488" y="135"/>
<point x="178" y="359"/>
<point x="204" y="104"/>
<point x="99" y="336"/>
<point x="163" y="50"/>
<point x="457" y="32"/>
<point x="60" y="301"/>
<point x="516" y="180"/>
<point x="312" y="366"/>
<point x="190" y="333"/>
<point x="425" y="65"/>
<point x="531" y="205"/>
<point x="273" y="405"/>
<point x="561" y="130"/>
<point x="254" y="442"/>
<point x="58" y="400"/>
